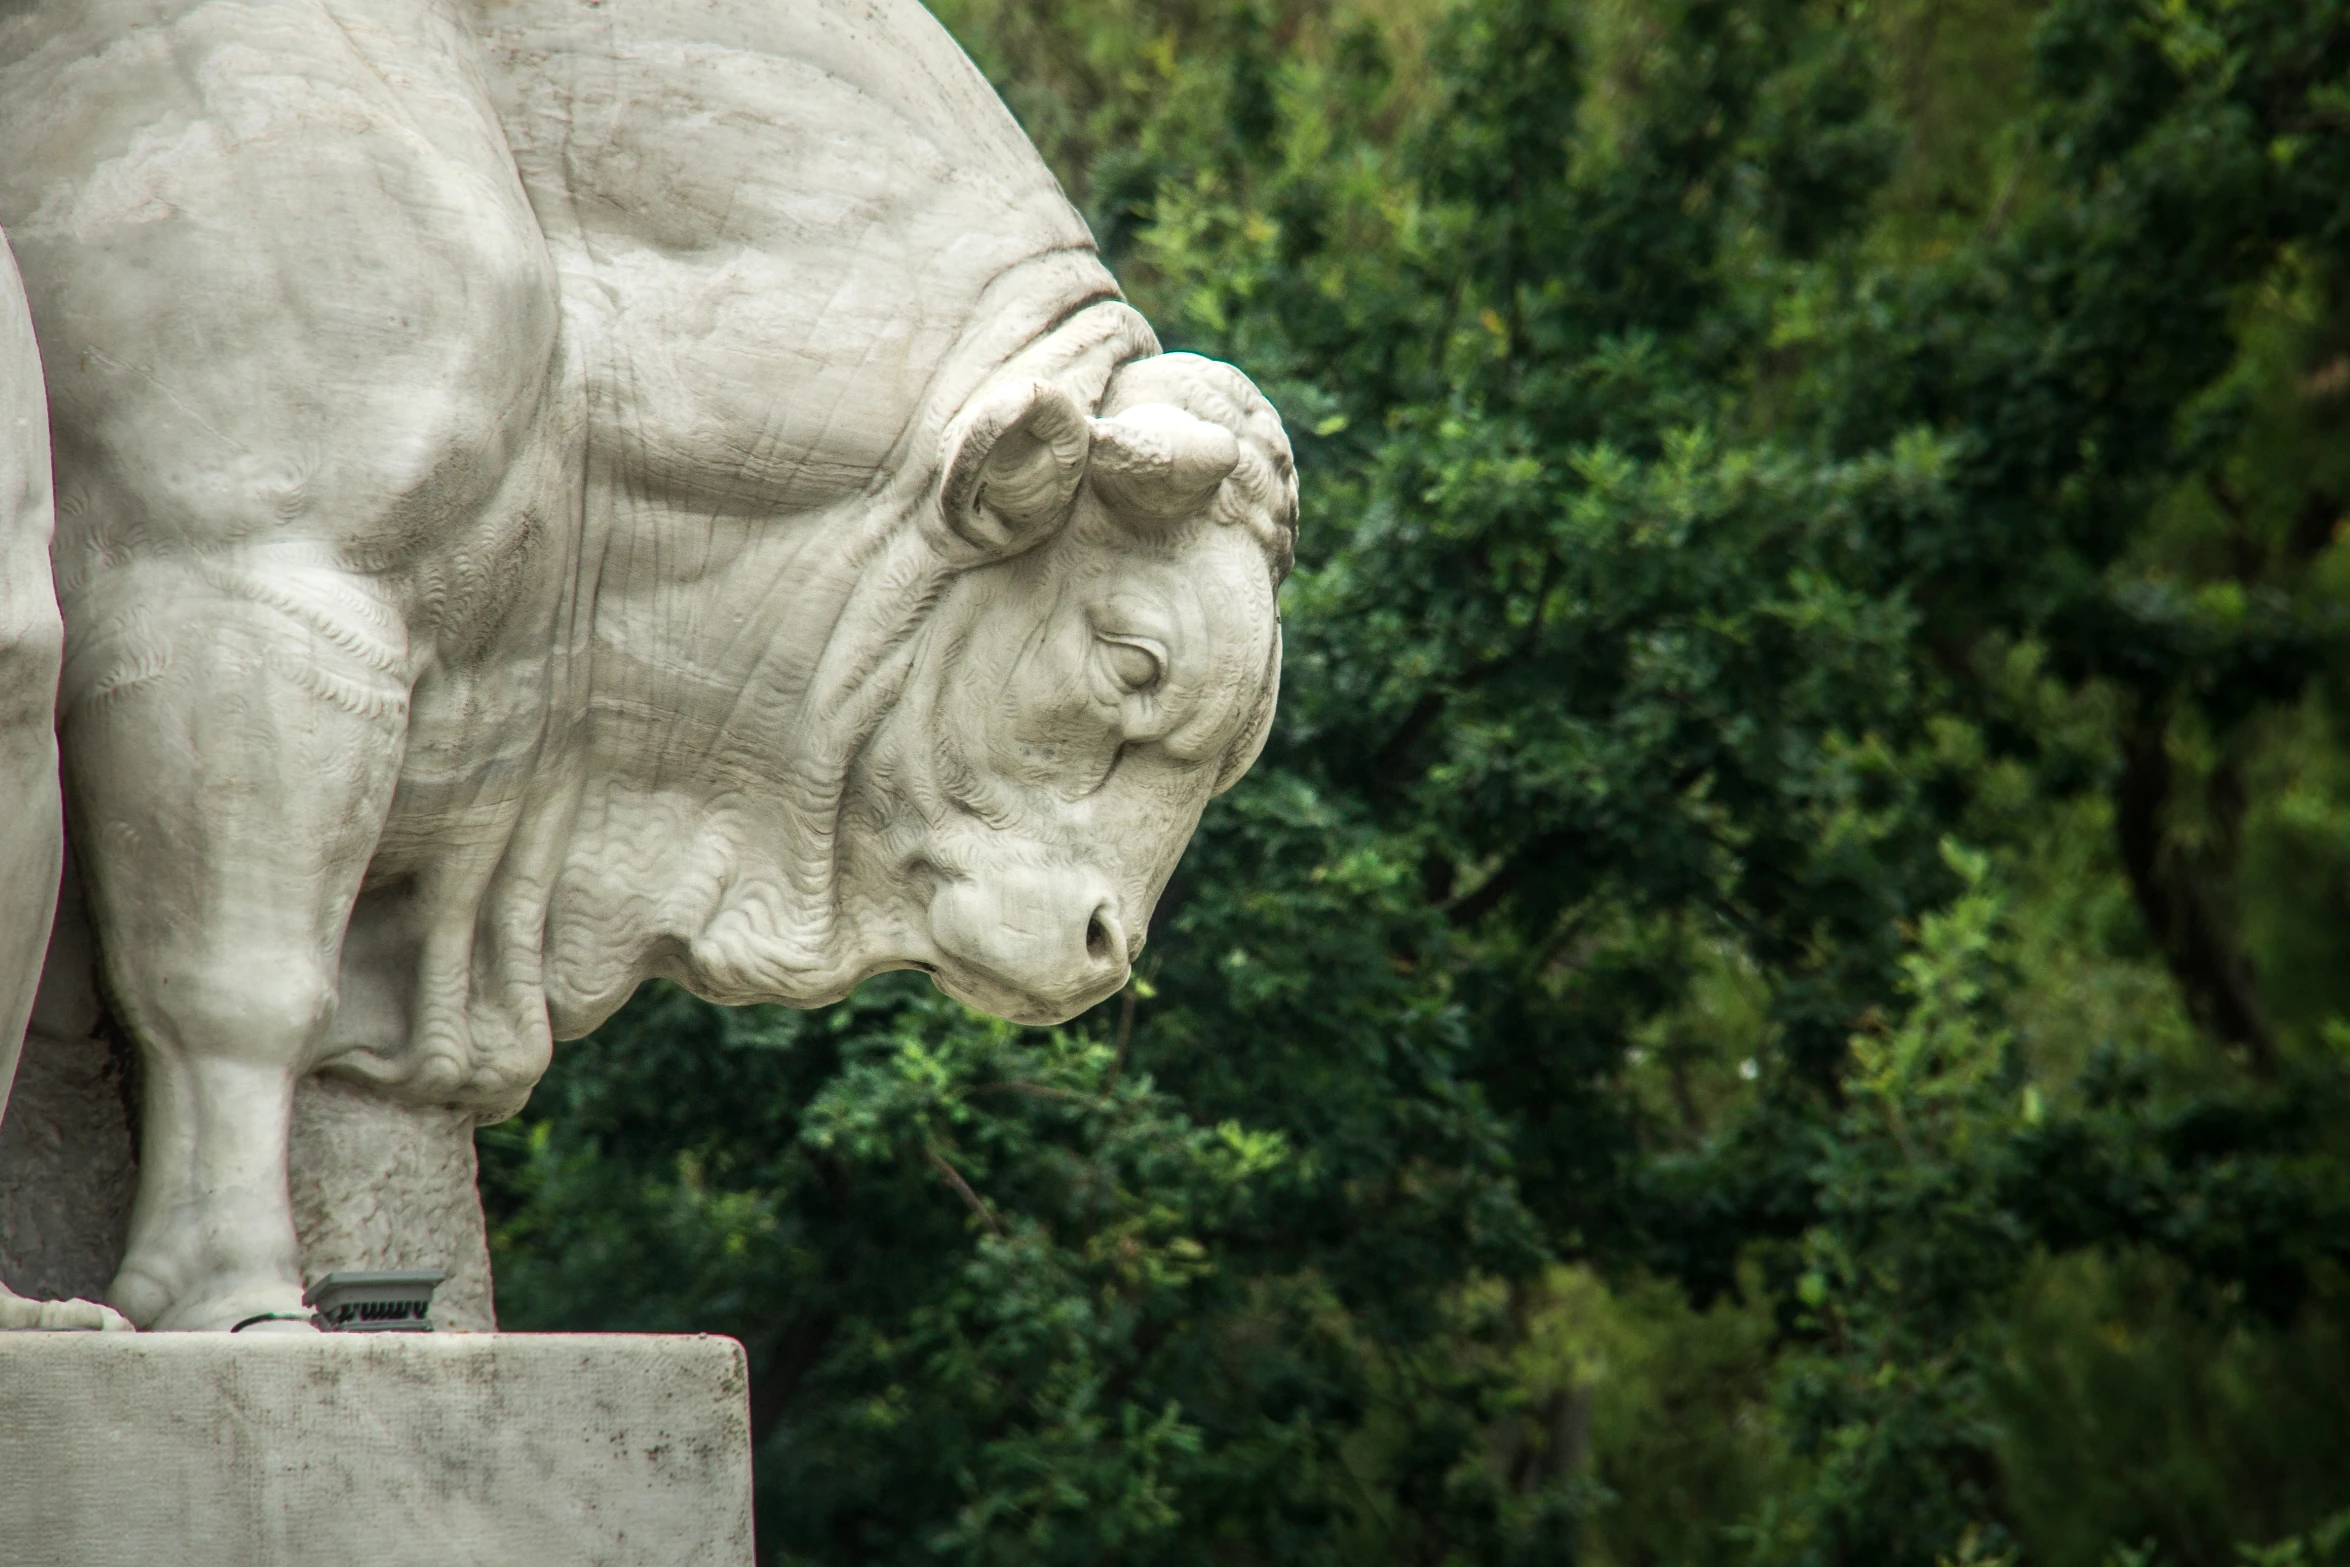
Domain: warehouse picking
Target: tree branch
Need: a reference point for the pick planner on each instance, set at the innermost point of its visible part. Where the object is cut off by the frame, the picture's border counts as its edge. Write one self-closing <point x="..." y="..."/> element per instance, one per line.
<point x="2213" y="976"/>
<point x="786" y="1362"/>
<point x="2313" y="527"/>
<point x="954" y="1178"/>
<point x="1389" y="757"/>
<point x="1126" y="1003"/>
<point x="1469" y="910"/>
<point x="1036" y="1091"/>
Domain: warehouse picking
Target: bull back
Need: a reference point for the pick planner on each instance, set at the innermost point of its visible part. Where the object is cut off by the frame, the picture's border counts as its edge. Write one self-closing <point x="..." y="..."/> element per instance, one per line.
<point x="780" y="229"/>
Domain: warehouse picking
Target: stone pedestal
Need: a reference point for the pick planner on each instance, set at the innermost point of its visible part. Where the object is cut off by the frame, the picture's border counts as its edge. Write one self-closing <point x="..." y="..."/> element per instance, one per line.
<point x="373" y="1450"/>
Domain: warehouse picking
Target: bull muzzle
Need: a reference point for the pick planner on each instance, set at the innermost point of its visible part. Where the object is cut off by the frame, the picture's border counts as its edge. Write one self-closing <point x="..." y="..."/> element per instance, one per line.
<point x="1035" y="946"/>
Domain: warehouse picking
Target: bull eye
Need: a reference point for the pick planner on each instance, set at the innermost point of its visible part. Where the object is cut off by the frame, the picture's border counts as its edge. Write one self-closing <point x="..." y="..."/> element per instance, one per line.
<point x="1136" y="667"/>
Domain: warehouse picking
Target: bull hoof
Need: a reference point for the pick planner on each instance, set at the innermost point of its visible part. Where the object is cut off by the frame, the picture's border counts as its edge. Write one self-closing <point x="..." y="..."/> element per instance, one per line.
<point x="20" y="1315"/>
<point x="268" y="1306"/>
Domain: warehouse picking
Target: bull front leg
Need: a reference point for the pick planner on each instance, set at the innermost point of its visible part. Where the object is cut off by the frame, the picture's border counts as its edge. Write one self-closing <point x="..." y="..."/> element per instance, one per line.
<point x="233" y="731"/>
<point x="32" y="830"/>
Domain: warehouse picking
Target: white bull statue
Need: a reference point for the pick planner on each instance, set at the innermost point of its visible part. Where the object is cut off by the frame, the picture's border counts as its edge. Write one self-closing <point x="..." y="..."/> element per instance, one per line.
<point x="556" y="492"/>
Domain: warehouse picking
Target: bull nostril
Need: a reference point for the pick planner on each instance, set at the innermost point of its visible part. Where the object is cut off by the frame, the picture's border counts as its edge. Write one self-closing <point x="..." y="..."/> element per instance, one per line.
<point x="1097" y="938"/>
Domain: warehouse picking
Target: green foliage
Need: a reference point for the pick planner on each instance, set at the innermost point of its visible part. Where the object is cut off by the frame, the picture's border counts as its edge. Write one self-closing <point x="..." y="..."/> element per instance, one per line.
<point x="1579" y="1103"/>
<point x="1913" y="1241"/>
<point x="2127" y="1414"/>
<point x="814" y="1188"/>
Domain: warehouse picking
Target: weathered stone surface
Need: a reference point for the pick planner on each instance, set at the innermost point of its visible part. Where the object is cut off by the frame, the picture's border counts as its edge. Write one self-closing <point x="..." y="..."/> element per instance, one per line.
<point x="380" y="1184"/>
<point x="68" y="1168"/>
<point x="373" y="1450"/>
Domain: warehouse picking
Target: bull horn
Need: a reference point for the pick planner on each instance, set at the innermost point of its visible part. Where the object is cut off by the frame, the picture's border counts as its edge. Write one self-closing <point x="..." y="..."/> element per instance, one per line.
<point x="1016" y="464"/>
<point x="1159" y="462"/>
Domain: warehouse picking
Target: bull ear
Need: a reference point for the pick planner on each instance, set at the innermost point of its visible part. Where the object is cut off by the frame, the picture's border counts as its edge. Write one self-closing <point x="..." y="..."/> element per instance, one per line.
<point x="1158" y="462"/>
<point x="1013" y="467"/>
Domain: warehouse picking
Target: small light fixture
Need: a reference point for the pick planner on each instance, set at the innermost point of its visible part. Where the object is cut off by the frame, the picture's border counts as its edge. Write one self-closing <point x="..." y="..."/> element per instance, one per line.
<point x="390" y="1302"/>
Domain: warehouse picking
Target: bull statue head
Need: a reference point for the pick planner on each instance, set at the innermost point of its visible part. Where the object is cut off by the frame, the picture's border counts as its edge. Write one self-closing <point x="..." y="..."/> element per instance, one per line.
<point x="1041" y="654"/>
<point x="1075" y="702"/>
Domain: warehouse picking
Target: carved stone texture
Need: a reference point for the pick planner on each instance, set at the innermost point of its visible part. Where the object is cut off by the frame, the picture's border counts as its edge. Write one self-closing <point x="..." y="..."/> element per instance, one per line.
<point x="565" y="491"/>
<point x="380" y="1184"/>
<point x="68" y="1168"/>
<point x="383" y="1449"/>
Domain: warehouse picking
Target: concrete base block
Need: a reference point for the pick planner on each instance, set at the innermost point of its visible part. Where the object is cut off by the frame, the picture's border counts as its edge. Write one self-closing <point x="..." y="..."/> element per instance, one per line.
<point x="373" y="1450"/>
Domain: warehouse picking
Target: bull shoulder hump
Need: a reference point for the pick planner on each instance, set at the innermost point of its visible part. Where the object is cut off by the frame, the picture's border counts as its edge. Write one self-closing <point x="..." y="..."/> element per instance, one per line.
<point x="777" y="223"/>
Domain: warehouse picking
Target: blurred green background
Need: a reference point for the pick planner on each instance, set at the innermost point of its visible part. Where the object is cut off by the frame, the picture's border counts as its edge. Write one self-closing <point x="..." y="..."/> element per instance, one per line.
<point x="1781" y="994"/>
